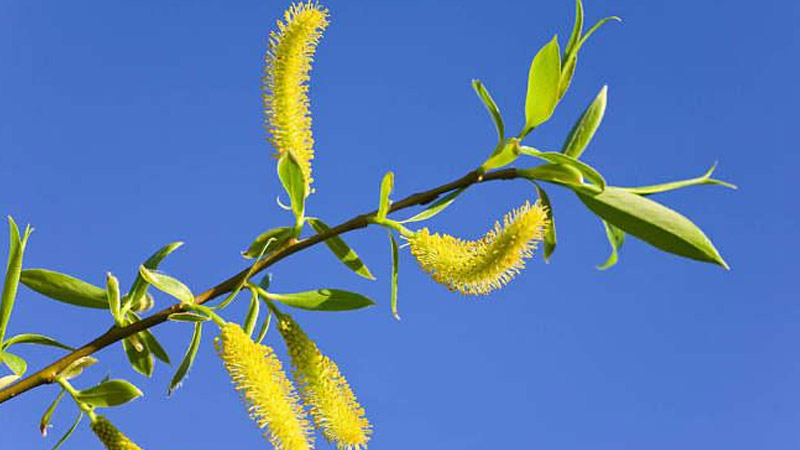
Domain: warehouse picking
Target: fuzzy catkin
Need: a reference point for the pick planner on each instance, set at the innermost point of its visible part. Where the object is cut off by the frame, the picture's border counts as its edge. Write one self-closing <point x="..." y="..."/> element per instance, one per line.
<point x="271" y="399"/>
<point x="288" y="63"/>
<point x="110" y="436"/>
<point x="325" y="391"/>
<point x="481" y="266"/>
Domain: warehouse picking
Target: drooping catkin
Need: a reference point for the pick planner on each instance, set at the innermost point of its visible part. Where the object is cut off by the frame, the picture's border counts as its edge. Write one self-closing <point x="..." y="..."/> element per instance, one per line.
<point x="288" y="63"/>
<point x="110" y="436"/>
<point x="325" y="391"/>
<point x="271" y="399"/>
<point x="481" y="266"/>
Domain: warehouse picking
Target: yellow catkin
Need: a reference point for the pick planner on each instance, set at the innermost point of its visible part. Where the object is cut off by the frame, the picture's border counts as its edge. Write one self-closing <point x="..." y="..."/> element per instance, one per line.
<point x="271" y="399"/>
<point x="324" y="389"/>
<point x="288" y="62"/>
<point x="481" y="266"/>
<point x="110" y="436"/>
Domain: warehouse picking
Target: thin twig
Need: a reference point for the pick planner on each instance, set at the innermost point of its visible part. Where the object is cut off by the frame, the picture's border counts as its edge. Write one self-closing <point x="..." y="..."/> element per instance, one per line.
<point x="115" y="334"/>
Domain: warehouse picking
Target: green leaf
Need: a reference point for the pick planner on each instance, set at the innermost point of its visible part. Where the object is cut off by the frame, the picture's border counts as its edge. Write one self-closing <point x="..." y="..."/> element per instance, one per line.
<point x="69" y="432"/>
<point x="577" y="28"/>
<point x="188" y="317"/>
<point x="188" y="358"/>
<point x="549" y="240"/>
<point x="77" y="367"/>
<point x="651" y="222"/>
<point x="112" y="294"/>
<point x="387" y="185"/>
<point x="139" y="355"/>
<point x="503" y="155"/>
<point x="583" y="131"/>
<point x="491" y="106"/>
<point x="252" y="313"/>
<point x="36" y="339"/>
<point x="343" y="252"/>
<point x="17" y="365"/>
<point x="264" y="328"/>
<point x="571" y="54"/>
<point x="65" y="288"/>
<point x="554" y="173"/>
<point x="293" y="181"/>
<point x="109" y="393"/>
<point x="268" y="241"/>
<point x="557" y="158"/>
<point x="44" y="422"/>
<point x="168" y="285"/>
<point x="616" y="238"/>
<point x="594" y="28"/>
<point x="139" y="287"/>
<point x="435" y="207"/>
<point x="13" y="269"/>
<point x="543" y="85"/>
<point x="152" y="343"/>
<point x="323" y="300"/>
<point x="395" y="264"/>
<point x="697" y="181"/>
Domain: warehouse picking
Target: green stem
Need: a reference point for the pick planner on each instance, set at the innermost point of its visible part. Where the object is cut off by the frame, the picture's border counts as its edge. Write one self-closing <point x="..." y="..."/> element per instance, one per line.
<point x="74" y="394"/>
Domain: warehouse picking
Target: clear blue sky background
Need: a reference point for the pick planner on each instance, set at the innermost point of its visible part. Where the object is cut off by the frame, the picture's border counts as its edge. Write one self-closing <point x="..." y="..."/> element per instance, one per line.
<point x="127" y="125"/>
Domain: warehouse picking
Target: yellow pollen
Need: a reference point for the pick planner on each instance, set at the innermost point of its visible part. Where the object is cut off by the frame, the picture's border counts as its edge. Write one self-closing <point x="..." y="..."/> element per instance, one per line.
<point x="288" y="62"/>
<point x="324" y="389"/>
<point x="271" y="399"/>
<point x="110" y="436"/>
<point x="484" y="265"/>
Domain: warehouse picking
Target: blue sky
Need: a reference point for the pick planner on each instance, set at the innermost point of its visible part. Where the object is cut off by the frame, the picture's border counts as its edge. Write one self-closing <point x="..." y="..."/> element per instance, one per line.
<point x="127" y="125"/>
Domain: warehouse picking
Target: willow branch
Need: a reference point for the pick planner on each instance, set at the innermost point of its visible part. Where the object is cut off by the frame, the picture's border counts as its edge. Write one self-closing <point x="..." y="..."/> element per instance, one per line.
<point x="48" y="374"/>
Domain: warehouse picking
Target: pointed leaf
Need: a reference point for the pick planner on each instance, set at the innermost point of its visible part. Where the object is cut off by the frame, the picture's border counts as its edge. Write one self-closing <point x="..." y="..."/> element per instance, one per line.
<point x="616" y="238"/>
<point x="554" y="173"/>
<point x="543" y="85"/>
<point x="112" y="294"/>
<point x="17" y="365"/>
<point x="491" y="106"/>
<point x="550" y="233"/>
<point x="395" y="264"/>
<point x="577" y="28"/>
<point x="435" y="207"/>
<point x="65" y="288"/>
<point x="583" y="131"/>
<point x="268" y="241"/>
<point x="69" y="432"/>
<point x="697" y="181"/>
<point x="188" y="317"/>
<point x="188" y="358"/>
<point x="36" y="339"/>
<point x="651" y="222"/>
<point x="139" y="356"/>
<point x="293" y="181"/>
<point x="109" y="393"/>
<point x="323" y="300"/>
<point x="557" y="158"/>
<point x="77" y="367"/>
<point x="264" y="328"/>
<point x="139" y="287"/>
<point x="387" y="185"/>
<point x="13" y="270"/>
<point x="343" y="252"/>
<point x="168" y="285"/>
<point x="44" y="422"/>
<point x="252" y="313"/>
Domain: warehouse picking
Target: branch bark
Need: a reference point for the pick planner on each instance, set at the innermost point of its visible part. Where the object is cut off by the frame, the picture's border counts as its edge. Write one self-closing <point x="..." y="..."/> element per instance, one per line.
<point x="47" y="375"/>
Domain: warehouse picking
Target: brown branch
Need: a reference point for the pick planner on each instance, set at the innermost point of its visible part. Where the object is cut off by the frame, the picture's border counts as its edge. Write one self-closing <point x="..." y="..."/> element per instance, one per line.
<point x="115" y="334"/>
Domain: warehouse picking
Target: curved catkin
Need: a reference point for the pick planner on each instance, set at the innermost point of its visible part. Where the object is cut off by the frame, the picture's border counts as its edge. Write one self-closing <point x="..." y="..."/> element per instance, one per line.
<point x="288" y="62"/>
<point x="324" y="389"/>
<point x="110" y="436"/>
<point x="481" y="266"/>
<point x="258" y="376"/>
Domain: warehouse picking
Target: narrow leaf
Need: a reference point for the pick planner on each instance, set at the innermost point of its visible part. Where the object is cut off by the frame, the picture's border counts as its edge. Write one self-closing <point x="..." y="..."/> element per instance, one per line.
<point x="188" y="359"/>
<point x="554" y="173"/>
<point x="168" y="285"/>
<point x="139" y="287"/>
<point x="549" y="234"/>
<point x="264" y="328"/>
<point x="557" y="158"/>
<point x="491" y="106"/>
<point x="293" y="181"/>
<point x="652" y="222"/>
<point x="109" y="393"/>
<point x="139" y="355"/>
<point x="616" y="238"/>
<point x="387" y="185"/>
<point x="77" y="367"/>
<point x="435" y="207"/>
<point x="188" y="317"/>
<point x="13" y="270"/>
<point x="112" y="294"/>
<point x="69" y="432"/>
<point x="252" y="313"/>
<point x="268" y="241"/>
<point x="395" y="264"/>
<point x="36" y="339"/>
<point x="17" y="365"/>
<point x="503" y="155"/>
<point x="577" y="28"/>
<point x="324" y="300"/>
<point x="65" y="288"/>
<point x="343" y="252"/>
<point x="543" y="85"/>
<point x="44" y="422"/>
<point x="671" y="186"/>
<point x="583" y="131"/>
